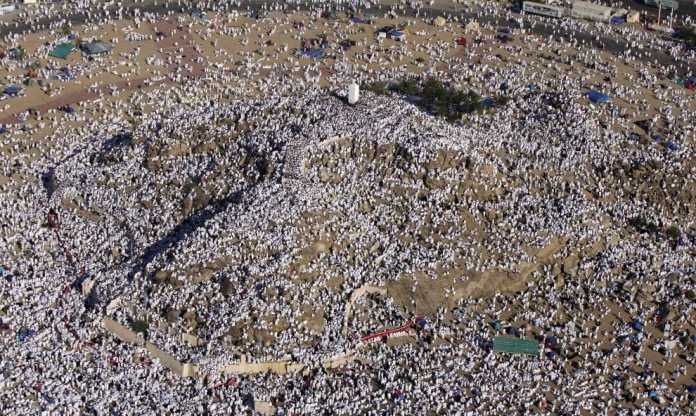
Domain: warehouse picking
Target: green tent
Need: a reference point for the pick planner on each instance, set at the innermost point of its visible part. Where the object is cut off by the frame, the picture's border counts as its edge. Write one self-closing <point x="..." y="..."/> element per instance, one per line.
<point x="62" y="50"/>
<point x="17" y="53"/>
<point x="515" y="345"/>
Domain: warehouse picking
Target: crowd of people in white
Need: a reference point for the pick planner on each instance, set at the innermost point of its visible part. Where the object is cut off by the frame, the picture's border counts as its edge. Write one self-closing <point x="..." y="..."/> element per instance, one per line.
<point x="298" y="199"/>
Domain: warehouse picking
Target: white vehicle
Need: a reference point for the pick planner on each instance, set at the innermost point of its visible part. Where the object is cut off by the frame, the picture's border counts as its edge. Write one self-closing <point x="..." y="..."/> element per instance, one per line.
<point x="543" y="9"/>
<point x="590" y="11"/>
<point x="661" y="28"/>
<point x="6" y="8"/>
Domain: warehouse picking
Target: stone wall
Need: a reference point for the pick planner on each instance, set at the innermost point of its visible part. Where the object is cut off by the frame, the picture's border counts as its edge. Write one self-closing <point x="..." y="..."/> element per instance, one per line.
<point x="129" y="336"/>
<point x="123" y="333"/>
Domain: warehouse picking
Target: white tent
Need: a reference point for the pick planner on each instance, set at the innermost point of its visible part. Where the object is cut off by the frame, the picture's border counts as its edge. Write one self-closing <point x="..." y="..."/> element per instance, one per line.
<point x="439" y="21"/>
<point x="472" y="26"/>
<point x="353" y="93"/>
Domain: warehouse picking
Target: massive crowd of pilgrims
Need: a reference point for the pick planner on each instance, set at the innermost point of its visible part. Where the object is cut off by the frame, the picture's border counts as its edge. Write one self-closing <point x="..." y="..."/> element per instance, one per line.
<point x="299" y="199"/>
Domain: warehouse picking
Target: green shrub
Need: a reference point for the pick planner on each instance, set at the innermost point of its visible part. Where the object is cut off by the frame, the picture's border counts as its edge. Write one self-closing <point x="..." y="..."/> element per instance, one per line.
<point x="673" y="232"/>
<point x="435" y="96"/>
<point x="433" y="91"/>
<point x="377" y="87"/>
<point x="688" y="35"/>
<point x="139" y="326"/>
<point x="643" y="225"/>
<point x="501" y="100"/>
<point x="469" y="102"/>
<point x="407" y="87"/>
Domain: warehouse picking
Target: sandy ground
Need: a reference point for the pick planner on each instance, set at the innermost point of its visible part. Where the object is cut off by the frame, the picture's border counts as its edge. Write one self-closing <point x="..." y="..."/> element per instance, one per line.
<point x="272" y="43"/>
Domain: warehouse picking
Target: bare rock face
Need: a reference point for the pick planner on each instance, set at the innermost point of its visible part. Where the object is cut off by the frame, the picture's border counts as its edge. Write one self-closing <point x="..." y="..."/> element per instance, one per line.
<point x="490" y="282"/>
<point x="570" y="265"/>
<point x="153" y="164"/>
<point x="162" y="275"/>
<point x="187" y="206"/>
<point x="205" y="147"/>
<point x="322" y="246"/>
<point x="176" y="149"/>
<point x="204" y="272"/>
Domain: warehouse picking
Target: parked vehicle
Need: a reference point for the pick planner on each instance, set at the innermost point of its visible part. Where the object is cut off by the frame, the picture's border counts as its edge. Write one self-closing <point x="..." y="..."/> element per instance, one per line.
<point x="590" y="11"/>
<point x="666" y="4"/>
<point x="542" y="9"/>
<point x="6" y="8"/>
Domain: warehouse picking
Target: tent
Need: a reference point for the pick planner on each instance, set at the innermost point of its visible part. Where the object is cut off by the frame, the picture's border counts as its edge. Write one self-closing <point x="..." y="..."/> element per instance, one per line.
<point x="643" y="124"/>
<point x="13" y="90"/>
<point x="24" y="334"/>
<point x="514" y="345"/>
<point x="200" y="15"/>
<point x="96" y="47"/>
<point x="396" y="34"/>
<point x="65" y="74"/>
<point x="330" y="14"/>
<point x="671" y="145"/>
<point x="472" y="26"/>
<point x="597" y="97"/>
<point x="690" y="83"/>
<point x="79" y="281"/>
<point x="62" y="50"/>
<point x="312" y="53"/>
<point x="248" y="401"/>
<point x="347" y="44"/>
<point x="551" y="342"/>
<point x="16" y="53"/>
<point x="370" y="17"/>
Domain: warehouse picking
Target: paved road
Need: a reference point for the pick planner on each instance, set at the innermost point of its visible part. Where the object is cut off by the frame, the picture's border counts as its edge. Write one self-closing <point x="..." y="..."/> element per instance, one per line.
<point x="611" y="44"/>
<point x="545" y="29"/>
<point x="686" y="8"/>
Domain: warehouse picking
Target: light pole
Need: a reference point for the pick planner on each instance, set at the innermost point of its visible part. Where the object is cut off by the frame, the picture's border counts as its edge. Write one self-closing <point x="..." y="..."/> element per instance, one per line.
<point x="671" y="16"/>
<point x="659" y="11"/>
